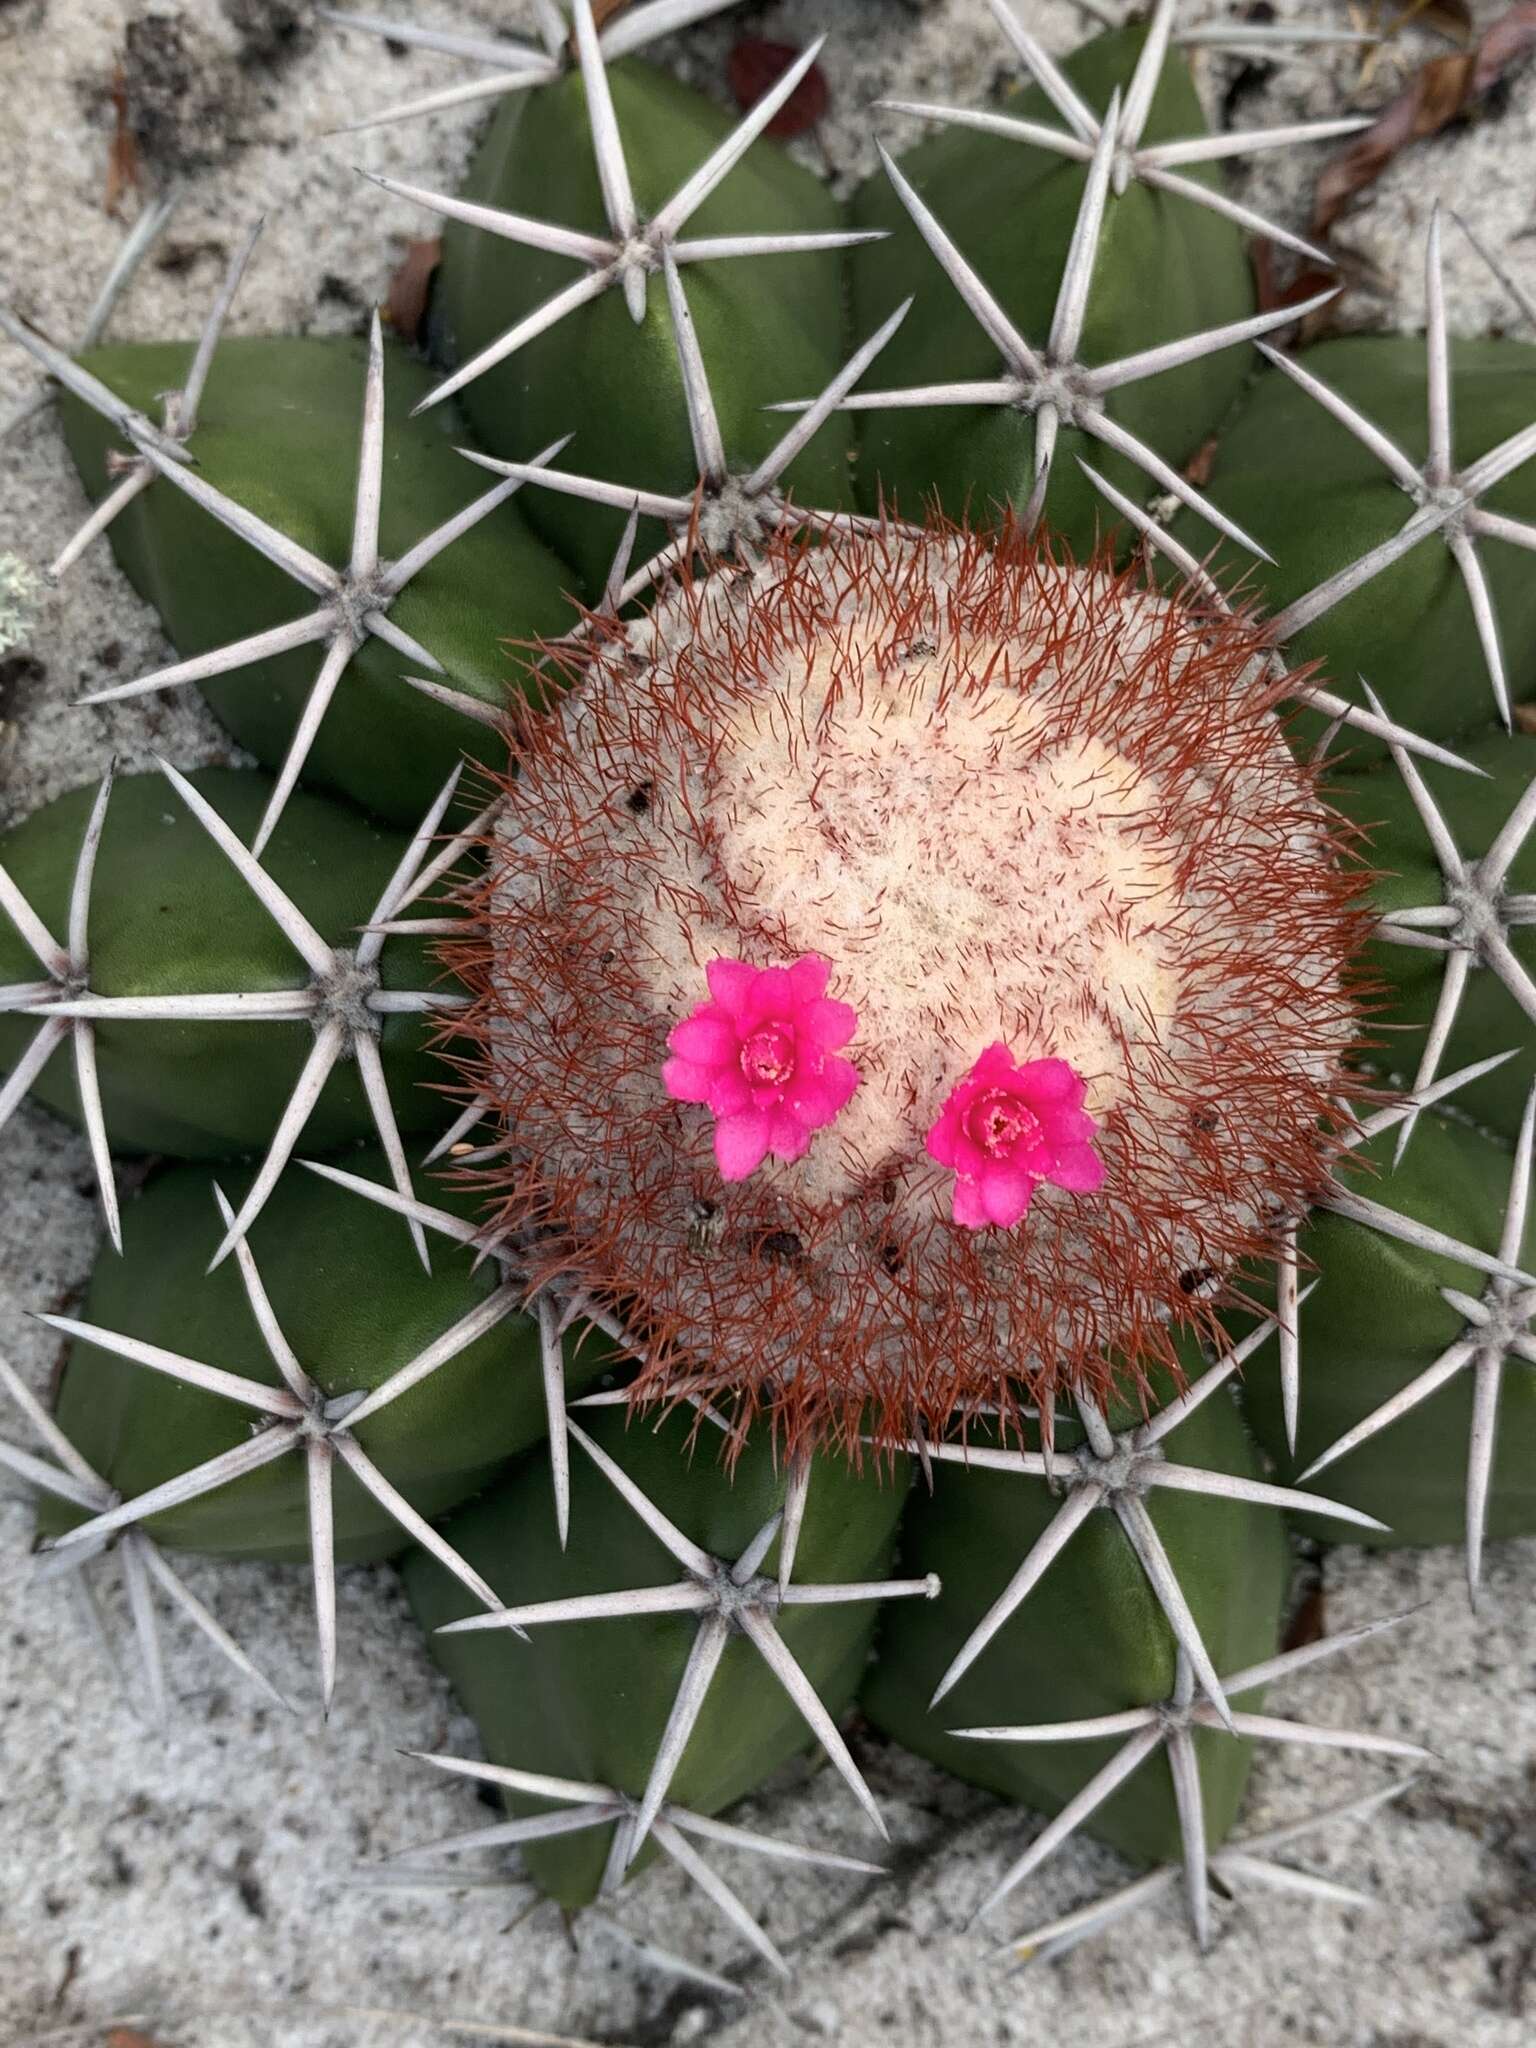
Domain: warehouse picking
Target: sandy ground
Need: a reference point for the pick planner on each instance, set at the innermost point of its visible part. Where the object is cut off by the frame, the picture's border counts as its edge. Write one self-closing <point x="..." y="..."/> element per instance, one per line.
<point x="196" y="1884"/>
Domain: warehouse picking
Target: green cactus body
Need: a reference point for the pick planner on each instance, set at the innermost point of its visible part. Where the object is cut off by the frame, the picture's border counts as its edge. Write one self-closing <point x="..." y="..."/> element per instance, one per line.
<point x="170" y="916"/>
<point x="1376" y="1320"/>
<point x="591" y="1699"/>
<point x="905" y="986"/>
<point x="1109" y="1646"/>
<point x="768" y="329"/>
<point x="1164" y="269"/>
<point x="355" y="1305"/>
<point x="278" y="432"/>
<point x="1489" y="1019"/>
<point x="1319" y="500"/>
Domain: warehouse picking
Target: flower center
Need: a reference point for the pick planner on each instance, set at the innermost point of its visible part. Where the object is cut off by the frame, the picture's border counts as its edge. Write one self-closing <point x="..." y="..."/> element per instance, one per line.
<point x="998" y="1122"/>
<point x="768" y="1055"/>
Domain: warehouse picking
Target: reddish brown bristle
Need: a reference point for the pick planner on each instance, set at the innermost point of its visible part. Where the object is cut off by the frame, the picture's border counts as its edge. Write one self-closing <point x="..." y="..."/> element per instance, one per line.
<point x="1009" y="798"/>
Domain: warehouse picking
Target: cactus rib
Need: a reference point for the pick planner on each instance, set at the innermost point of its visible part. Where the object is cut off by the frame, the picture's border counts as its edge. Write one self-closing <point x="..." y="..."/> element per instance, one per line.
<point x="1051" y="383"/>
<point x="136" y="473"/>
<point x="1304" y="690"/>
<point x="343" y="1001"/>
<point x="597" y="1806"/>
<point x="632" y="251"/>
<point x="727" y="514"/>
<point x="1171" y="1724"/>
<point x="1247" y="1860"/>
<point x="729" y="1595"/>
<point x="68" y="970"/>
<point x="295" y="1416"/>
<point x="354" y="601"/>
<point x="1157" y="164"/>
<point x="1445" y="497"/>
<point x="73" y="1479"/>
<point x="1115" y="1470"/>
<point x="516" y="67"/>
<point x="1288" y="1294"/>
<point x="554" y="1313"/>
<point x="1497" y="1330"/>
<point x="1472" y="923"/>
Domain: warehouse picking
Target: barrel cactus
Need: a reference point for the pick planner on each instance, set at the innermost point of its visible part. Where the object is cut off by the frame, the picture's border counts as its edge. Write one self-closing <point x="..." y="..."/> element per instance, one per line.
<point x="846" y="1024"/>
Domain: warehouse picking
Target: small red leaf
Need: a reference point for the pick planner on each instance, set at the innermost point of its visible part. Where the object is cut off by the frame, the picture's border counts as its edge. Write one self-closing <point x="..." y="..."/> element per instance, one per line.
<point x="755" y="66"/>
<point x="410" y="287"/>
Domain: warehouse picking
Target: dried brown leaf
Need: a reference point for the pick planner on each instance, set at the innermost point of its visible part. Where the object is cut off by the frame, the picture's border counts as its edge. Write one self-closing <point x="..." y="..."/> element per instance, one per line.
<point x="1449" y="18"/>
<point x="1202" y="463"/>
<point x="1305" y="284"/>
<point x="122" y="150"/>
<point x="756" y="65"/>
<point x="1309" y="1623"/>
<point x="1436" y="95"/>
<point x="410" y="287"/>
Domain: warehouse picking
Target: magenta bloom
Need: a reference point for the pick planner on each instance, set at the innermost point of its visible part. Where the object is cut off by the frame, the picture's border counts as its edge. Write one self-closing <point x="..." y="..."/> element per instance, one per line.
<point x="1007" y="1126"/>
<point x="763" y="1055"/>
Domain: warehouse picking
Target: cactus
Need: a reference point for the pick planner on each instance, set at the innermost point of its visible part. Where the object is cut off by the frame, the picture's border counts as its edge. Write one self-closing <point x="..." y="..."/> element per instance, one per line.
<point x="886" y="1166"/>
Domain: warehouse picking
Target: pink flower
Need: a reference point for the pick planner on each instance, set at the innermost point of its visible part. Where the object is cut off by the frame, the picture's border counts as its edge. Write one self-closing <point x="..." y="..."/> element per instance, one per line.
<point x="762" y="1054"/>
<point x="1005" y="1127"/>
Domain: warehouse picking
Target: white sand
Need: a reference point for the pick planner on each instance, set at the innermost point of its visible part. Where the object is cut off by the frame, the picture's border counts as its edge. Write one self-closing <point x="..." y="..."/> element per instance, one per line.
<point x="194" y="1876"/>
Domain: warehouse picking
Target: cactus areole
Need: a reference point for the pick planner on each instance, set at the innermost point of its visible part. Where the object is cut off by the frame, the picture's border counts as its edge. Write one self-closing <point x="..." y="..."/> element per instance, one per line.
<point x="1075" y="949"/>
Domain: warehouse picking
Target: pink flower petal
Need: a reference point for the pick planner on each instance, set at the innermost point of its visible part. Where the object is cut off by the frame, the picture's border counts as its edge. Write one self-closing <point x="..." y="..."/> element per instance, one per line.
<point x="1068" y="1127"/>
<point x="828" y="1024"/>
<point x="773" y="995"/>
<point x="710" y="1041"/>
<point x="1080" y="1169"/>
<point x="941" y="1140"/>
<point x="845" y="1077"/>
<point x="730" y="983"/>
<point x="685" y="1082"/>
<point x="1052" y="1081"/>
<point x="968" y="1155"/>
<point x="995" y="1064"/>
<point x="817" y="1096"/>
<point x="728" y="1092"/>
<point x="1005" y="1197"/>
<point x="968" y="1208"/>
<point x="808" y="977"/>
<point x="1036" y="1159"/>
<point x="788" y="1138"/>
<point x="741" y="1143"/>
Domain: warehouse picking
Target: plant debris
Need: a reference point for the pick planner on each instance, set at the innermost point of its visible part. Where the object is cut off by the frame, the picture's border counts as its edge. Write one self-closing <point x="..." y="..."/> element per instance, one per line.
<point x="755" y="65"/>
<point x="410" y="287"/>
<point x="1442" y="91"/>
